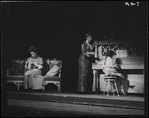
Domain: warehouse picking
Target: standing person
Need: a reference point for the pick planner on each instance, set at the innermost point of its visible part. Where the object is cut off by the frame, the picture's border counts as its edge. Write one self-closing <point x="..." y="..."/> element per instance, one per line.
<point x="33" y="76"/>
<point x="85" y="61"/>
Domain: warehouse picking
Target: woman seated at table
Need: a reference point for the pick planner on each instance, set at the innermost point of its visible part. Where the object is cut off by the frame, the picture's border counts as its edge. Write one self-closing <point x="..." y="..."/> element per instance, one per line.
<point x="33" y="76"/>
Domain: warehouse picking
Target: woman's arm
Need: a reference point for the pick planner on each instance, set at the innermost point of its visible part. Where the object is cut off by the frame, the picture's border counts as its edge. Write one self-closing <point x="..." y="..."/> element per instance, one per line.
<point x="27" y="64"/>
<point x="115" y="64"/>
<point x="91" y="46"/>
<point x="40" y="63"/>
<point x="84" y="52"/>
<point x="91" y="53"/>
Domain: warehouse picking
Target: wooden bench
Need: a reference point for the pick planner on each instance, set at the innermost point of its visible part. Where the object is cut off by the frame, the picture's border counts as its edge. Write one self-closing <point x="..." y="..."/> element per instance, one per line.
<point x="16" y="73"/>
<point x="56" y="80"/>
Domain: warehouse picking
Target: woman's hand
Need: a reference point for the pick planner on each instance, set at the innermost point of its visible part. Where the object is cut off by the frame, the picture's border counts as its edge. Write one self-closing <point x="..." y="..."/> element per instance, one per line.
<point x="90" y="53"/>
<point x="29" y="67"/>
<point x="35" y="65"/>
<point x="91" y="46"/>
<point x="86" y="54"/>
<point x="95" y="42"/>
<point x="39" y="66"/>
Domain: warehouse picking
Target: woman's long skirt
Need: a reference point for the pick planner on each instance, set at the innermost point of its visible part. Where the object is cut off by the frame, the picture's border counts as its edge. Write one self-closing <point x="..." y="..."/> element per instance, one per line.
<point x="33" y="79"/>
<point x="83" y="73"/>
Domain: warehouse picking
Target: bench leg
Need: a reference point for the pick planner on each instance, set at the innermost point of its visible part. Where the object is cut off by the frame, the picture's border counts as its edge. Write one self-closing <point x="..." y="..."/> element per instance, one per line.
<point x="45" y="83"/>
<point x="43" y="88"/>
<point x="18" y="85"/>
<point x="58" y="86"/>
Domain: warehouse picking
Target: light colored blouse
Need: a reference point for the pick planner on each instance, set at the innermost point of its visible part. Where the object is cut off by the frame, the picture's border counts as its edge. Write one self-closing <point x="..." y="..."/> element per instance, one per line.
<point x="109" y="62"/>
<point x="37" y="61"/>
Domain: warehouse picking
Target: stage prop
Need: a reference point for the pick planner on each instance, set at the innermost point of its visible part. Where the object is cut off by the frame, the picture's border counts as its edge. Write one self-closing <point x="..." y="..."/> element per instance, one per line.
<point x="130" y="59"/>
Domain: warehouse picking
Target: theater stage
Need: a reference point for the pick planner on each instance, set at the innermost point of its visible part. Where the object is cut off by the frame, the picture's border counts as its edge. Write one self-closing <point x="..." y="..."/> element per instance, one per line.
<point x="72" y="104"/>
<point x="127" y="101"/>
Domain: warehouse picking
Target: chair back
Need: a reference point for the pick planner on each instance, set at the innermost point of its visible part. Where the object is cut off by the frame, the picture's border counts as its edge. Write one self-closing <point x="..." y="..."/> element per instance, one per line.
<point x="45" y="66"/>
<point x="18" y="67"/>
<point x="54" y="62"/>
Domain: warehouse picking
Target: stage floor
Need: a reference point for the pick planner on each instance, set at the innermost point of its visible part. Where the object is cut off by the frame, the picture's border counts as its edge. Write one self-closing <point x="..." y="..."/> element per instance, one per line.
<point x="83" y="95"/>
<point x="127" y="101"/>
<point x="28" y="108"/>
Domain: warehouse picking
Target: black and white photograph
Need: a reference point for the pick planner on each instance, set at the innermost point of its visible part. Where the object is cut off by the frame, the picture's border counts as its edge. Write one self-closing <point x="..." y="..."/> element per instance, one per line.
<point x="74" y="58"/>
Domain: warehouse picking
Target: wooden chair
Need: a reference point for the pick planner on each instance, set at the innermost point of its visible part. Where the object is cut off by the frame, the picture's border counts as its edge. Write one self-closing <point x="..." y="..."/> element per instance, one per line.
<point x="16" y="73"/>
<point x="56" y="79"/>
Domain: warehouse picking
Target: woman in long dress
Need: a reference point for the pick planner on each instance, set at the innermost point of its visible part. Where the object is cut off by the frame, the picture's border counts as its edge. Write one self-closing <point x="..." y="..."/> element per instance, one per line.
<point x="33" y="76"/>
<point x="85" y="61"/>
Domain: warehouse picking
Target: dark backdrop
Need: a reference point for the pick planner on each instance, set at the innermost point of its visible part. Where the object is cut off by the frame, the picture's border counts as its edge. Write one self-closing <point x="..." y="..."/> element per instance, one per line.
<point x="58" y="29"/>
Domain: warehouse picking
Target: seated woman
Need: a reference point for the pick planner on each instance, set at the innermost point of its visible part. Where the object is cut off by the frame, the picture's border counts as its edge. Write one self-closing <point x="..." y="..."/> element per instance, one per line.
<point x="110" y="67"/>
<point x="33" y="76"/>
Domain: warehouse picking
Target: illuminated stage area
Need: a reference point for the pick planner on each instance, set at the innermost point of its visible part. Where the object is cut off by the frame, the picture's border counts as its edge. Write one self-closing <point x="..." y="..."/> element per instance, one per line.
<point x="73" y="42"/>
<point x="128" y="101"/>
<point x="39" y="103"/>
